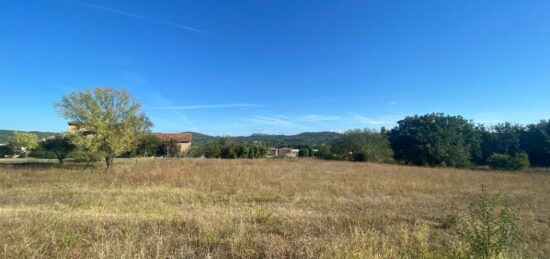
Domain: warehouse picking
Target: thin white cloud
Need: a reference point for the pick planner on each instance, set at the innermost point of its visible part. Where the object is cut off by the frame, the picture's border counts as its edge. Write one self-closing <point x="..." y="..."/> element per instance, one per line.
<point x="375" y="121"/>
<point x="273" y="121"/>
<point x="184" y="27"/>
<point x="318" y="118"/>
<point x="206" y="106"/>
<point x="292" y="122"/>
<point x="111" y="10"/>
<point x="139" y="16"/>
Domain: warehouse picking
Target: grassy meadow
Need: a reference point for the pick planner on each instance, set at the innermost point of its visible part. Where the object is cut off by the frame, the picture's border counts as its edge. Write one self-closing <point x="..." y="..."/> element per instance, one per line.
<point x="181" y="208"/>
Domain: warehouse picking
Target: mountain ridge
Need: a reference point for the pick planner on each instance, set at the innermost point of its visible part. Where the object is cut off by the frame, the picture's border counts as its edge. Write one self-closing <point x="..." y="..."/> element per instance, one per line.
<point x="279" y="140"/>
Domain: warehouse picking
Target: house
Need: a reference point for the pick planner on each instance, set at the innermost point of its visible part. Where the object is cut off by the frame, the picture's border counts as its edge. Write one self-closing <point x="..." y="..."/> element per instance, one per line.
<point x="77" y="127"/>
<point x="288" y="152"/>
<point x="182" y="139"/>
<point x="272" y="152"/>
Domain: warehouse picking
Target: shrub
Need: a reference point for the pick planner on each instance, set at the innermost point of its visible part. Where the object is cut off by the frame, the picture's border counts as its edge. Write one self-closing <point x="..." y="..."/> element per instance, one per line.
<point x="359" y="156"/>
<point x="499" y="161"/>
<point x="304" y="152"/>
<point x="435" y="139"/>
<point x="519" y="161"/>
<point x="5" y="151"/>
<point x="363" y="145"/>
<point x="486" y="232"/>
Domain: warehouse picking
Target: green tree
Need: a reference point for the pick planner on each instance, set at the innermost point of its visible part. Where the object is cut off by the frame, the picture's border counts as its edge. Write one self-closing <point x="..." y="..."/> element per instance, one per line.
<point x="536" y="142"/>
<point x="364" y="145"/>
<point x="519" y="161"/>
<point x="59" y="146"/>
<point x="21" y="142"/>
<point x="435" y="139"/>
<point x="149" y="145"/>
<point x="212" y="149"/>
<point x="5" y="151"/>
<point x="255" y="149"/>
<point x="503" y="138"/>
<point x="228" y="148"/>
<point x="305" y="152"/>
<point x="112" y="116"/>
<point x="324" y="152"/>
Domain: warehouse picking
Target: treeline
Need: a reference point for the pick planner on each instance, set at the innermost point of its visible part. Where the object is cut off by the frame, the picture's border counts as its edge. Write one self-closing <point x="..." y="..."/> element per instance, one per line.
<point x="225" y="147"/>
<point x="298" y="140"/>
<point x="229" y="148"/>
<point x="441" y="140"/>
<point x="5" y="135"/>
<point x="63" y="146"/>
<point x="433" y="139"/>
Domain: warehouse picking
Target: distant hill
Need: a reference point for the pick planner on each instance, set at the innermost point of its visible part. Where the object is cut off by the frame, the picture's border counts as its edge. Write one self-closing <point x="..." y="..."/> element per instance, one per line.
<point x="5" y="134"/>
<point x="302" y="139"/>
<point x="199" y="138"/>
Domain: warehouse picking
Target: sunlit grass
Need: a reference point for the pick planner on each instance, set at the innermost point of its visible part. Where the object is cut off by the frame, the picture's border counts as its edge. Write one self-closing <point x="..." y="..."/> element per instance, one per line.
<point x="255" y="208"/>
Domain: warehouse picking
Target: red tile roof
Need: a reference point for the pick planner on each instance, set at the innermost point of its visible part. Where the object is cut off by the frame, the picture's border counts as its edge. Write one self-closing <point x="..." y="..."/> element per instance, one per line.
<point x="179" y="137"/>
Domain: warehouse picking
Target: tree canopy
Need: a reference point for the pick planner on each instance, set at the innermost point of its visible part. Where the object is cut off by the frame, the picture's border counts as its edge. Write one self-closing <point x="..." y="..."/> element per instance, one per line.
<point x="21" y="142"/>
<point x="435" y="139"/>
<point x="536" y="142"/>
<point x="59" y="146"/>
<point x="112" y="116"/>
<point x="363" y="145"/>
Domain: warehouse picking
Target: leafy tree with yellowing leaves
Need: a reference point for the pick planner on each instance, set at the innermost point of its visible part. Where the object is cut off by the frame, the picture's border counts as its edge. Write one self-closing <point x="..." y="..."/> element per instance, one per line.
<point x="21" y="142"/>
<point x="112" y="118"/>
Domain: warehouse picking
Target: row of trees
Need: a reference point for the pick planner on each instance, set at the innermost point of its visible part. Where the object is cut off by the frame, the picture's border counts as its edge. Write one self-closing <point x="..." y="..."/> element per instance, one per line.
<point x="230" y="149"/>
<point x="27" y="144"/>
<point x="432" y="139"/>
<point x="19" y="144"/>
<point x="441" y="140"/>
<point x="113" y="124"/>
<point x="65" y="145"/>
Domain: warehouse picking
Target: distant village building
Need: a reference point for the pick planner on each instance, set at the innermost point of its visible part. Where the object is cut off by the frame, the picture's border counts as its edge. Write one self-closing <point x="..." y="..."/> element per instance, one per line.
<point x="77" y="127"/>
<point x="288" y="152"/>
<point x="272" y="152"/>
<point x="282" y="152"/>
<point x="183" y="140"/>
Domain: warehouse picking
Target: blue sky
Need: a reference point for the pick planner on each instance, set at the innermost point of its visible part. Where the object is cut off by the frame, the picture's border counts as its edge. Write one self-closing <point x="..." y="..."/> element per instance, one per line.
<point x="243" y="67"/>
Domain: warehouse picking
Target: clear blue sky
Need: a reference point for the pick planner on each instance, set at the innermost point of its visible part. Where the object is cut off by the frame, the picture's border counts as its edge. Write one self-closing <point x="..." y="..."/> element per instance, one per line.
<point x="258" y="66"/>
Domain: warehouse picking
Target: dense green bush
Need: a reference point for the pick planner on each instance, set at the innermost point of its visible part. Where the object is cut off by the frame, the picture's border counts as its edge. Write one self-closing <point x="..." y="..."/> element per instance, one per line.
<point x="435" y="139"/>
<point x="149" y="145"/>
<point x="5" y="151"/>
<point x="305" y="152"/>
<point x="518" y="161"/>
<point x="228" y="148"/>
<point x="324" y="152"/>
<point x="363" y="145"/>
<point x="535" y="141"/>
<point x="41" y="153"/>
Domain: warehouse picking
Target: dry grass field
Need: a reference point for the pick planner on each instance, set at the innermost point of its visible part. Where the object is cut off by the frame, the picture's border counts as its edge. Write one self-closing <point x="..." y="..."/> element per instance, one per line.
<point x="255" y="209"/>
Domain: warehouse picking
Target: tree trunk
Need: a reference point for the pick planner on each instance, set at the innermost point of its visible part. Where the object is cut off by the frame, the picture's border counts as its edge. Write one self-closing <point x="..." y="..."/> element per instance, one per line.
<point x="109" y="160"/>
<point x="61" y="161"/>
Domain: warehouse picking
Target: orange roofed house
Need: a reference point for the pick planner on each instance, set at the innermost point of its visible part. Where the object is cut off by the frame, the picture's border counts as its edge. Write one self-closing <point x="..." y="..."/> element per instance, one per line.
<point x="182" y="139"/>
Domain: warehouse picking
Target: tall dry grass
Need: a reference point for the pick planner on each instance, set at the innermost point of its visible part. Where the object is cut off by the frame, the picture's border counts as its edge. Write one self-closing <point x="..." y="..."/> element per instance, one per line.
<point x="255" y="209"/>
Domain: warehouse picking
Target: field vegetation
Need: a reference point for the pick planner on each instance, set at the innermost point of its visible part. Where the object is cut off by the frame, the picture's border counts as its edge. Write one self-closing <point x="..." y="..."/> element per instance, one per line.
<point x="263" y="208"/>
